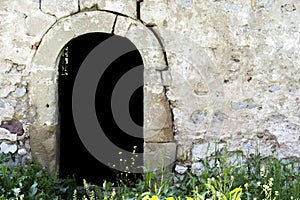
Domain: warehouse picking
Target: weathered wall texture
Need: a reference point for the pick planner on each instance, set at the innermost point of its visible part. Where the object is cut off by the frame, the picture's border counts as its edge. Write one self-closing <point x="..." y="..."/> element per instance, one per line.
<point x="216" y="71"/>
<point x="235" y="73"/>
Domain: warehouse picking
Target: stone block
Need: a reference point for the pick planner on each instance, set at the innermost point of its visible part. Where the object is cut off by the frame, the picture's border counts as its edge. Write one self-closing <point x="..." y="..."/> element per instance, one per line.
<point x="273" y="88"/>
<point x="166" y="78"/>
<point x="43" y="145"/>
<point x="13" y="37"/>
<point x="162" y="135"/>
<point x="198" y="116"/>
<point x="153" y="57"/>
<point x="246" y="104"/>
<point x="159" y="17"/>
<point x="37" y="23"/>
<point x="87" y="4"/>
<point x="125" y="7"/>
<point x="157" y="114"/>
<point x="157" y="155"/>
<point x="22" y="152"/>
<point x="123" y="25"/>
<point x="43" y="97"/>
<point x="89" y="22"/>
<point x="59" y="8"/>
<point x="200" y="151"/>
<point x="183" y="150"/>
<point x="8" y="148"/>
<point x="144" y="40"/>
<point x="67" y="29"/>
<point x="5" y="87"/>
<point x="51" y="45"/>
<point x="180" y="169"/>
<point x="26" y="7"/>
<point x="19" y="92"/>
<point x="6" y="135"/>
<point x="6" y="112"/>
<point x="14" y="126"/>
<point x="152" y="78"/>
<point x="197" y="168"/>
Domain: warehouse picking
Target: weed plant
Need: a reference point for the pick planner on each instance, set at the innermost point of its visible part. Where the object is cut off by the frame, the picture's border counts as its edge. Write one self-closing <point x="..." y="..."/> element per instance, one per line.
<point x="31" y="181"/>
<point x="225" y="176"/>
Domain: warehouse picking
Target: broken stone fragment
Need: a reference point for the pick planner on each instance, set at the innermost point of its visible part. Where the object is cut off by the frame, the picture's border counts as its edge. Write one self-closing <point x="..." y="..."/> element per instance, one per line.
<point x="14" y="126"/>
<point x="246" y="104"/>
<point x="20" y="92"/>
<point x="22" y="152"/>
<point x="6" y="135"/>
<point x="198" y="116"/>
<point x="197" y="168"/>
<point x="181" y="169"/>
<point x="8" y="148"/>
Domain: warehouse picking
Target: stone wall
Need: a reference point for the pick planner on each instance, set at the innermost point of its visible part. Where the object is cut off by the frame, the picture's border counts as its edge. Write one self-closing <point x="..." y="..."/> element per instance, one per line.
<point x="216" y="71"/>
<point x="234" y="70"/>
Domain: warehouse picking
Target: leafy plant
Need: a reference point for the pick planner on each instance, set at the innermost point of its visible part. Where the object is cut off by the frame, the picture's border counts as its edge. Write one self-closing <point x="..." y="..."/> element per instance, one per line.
<point x="225" y="176"/>
<point x="31" y="182"/>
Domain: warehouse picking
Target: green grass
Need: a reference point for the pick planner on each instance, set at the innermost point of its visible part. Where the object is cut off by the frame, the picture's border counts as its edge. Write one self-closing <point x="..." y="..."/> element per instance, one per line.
<point x="245" y="177"/>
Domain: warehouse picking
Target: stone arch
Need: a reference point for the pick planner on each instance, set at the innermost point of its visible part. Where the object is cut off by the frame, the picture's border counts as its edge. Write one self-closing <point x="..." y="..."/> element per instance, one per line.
<point x="43" y="94"/>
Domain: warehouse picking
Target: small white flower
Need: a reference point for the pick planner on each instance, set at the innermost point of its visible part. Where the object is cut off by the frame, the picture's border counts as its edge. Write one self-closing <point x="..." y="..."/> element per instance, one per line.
<point x="232" y="178"/>
<point x="218" y="164"/>
<point x="113" y="193"/>
<point x="266" y="187"/>
<point x="258" y="183"/>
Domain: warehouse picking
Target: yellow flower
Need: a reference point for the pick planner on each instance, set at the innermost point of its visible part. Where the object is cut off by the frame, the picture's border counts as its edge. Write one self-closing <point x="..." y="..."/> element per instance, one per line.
<point x="154" y="198"/>
<point x="189" y="198"/>
<point x="169" y="198"/>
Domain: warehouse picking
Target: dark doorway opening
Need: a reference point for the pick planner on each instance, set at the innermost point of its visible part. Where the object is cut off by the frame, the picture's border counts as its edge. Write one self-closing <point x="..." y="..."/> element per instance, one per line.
<point x="74" y="158"/>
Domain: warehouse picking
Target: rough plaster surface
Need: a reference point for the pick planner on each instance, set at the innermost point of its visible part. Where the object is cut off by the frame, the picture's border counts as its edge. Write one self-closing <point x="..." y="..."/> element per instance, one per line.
<point x="215" y="71"/>
<point x="124" y="7"/>
<point x="235" y="73"/>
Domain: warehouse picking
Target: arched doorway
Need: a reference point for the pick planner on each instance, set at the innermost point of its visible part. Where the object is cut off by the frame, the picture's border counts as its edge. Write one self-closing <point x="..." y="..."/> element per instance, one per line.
<point x="75" y="160"/>
<point x="43" y="86"/>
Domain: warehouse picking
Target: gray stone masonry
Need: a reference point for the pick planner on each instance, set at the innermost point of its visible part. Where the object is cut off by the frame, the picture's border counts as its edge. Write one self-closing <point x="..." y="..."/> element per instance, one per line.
<point x="214" y="72"/>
